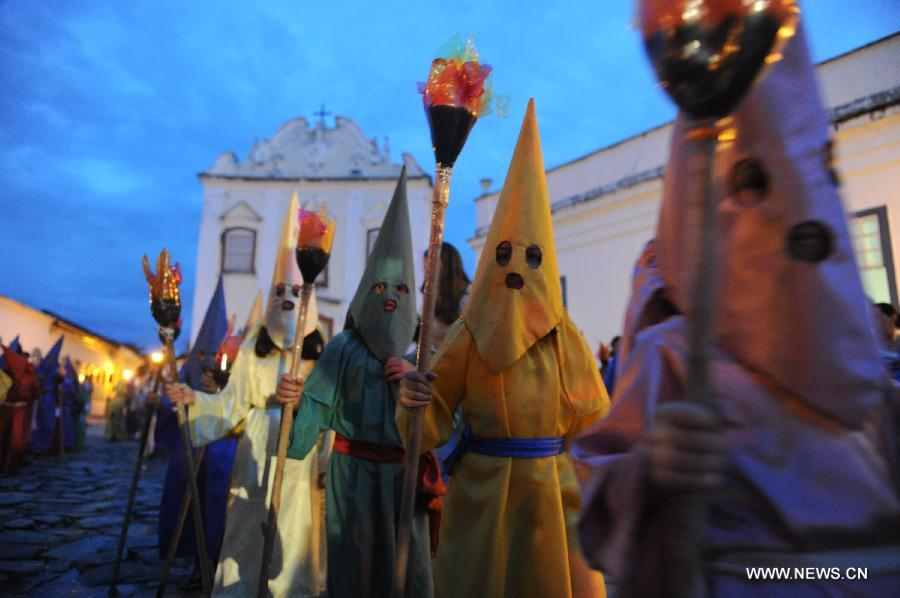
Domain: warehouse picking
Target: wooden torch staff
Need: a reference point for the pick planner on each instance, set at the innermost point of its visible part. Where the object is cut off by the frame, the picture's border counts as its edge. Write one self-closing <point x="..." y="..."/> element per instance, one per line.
<point x="318" y="505"/>
<point x="179" y="528"/>
<point x="270" y="527"/>
<point x="440" y="200"/>
<point x="185" y="435"/>
<point x="60" y="413"/>
<point x="135" y="475"/>
<point x="685" y="575"/>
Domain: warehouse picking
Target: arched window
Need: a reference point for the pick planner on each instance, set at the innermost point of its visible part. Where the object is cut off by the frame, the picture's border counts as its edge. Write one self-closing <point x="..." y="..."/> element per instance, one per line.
<point x="238" y="250"/>
<point x="327" y="325"/>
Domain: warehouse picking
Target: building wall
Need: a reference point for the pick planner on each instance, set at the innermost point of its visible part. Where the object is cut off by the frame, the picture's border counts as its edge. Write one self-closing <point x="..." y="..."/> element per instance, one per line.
<point x="868" y="162"/>
<point x="104" y="361"/>
<point x="358" y="206"/>
<point x="605" y="204"/>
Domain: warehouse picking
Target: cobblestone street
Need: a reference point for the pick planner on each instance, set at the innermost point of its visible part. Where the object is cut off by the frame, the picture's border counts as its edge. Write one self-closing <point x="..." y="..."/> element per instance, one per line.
<point x="60" y="520"/>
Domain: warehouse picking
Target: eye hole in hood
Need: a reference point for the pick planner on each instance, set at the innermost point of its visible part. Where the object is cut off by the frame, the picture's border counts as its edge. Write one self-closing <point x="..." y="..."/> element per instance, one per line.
<point x="504" y="253"/>
<point x="749" y="182"/>
<point x="533" y="256"/>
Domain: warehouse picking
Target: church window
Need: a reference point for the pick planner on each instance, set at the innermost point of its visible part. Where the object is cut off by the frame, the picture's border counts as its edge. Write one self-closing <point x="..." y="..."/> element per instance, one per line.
<point x="872" y="245"/>
<point x="238" y="250"/>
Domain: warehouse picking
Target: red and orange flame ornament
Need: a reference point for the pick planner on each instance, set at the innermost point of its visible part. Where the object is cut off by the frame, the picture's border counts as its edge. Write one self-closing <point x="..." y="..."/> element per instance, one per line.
<point x="316" y="229"/>
<point x="165" y="299"/>
<point x="458" y="79"/>
<point x="314" y="241"/>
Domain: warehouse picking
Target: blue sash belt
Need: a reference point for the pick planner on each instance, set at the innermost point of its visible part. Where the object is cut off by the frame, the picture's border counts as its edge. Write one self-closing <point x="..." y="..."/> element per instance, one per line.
<point x="514" y="448"/>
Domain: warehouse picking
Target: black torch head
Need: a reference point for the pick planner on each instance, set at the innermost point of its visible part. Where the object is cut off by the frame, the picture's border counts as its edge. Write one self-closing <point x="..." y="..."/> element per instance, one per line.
<point x="450" y="127"/>
<point x="165" y="311"/>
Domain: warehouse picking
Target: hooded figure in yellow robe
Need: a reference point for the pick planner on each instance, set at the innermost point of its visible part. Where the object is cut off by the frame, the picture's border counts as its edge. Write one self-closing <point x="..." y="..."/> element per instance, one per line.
<point x="522" y="375"/>
<point x="248" y="403"/>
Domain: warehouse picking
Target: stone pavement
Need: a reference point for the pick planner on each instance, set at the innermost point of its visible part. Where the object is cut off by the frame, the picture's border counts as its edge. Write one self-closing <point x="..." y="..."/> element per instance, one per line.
<point x="60" y="520"/>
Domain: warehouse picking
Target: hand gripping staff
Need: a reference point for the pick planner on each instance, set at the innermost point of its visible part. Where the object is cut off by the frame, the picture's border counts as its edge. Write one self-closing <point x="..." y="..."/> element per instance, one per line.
<point x="165" y="305"/>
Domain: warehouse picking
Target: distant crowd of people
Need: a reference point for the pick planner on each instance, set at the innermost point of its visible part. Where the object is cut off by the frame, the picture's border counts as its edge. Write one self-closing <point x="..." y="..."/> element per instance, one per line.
<point x="43" y="404"/>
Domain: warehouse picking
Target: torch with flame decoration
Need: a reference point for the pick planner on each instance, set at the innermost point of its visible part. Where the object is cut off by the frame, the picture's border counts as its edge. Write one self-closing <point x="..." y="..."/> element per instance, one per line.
<point x="707" y="54"/>
<point x="456" y="94"/>
<point x="314" y="241"/>
<point x="165" y="305"/>
<point x="165" y="299"/>
<point x="151" y="405"/>
<point x="226" y="354"/>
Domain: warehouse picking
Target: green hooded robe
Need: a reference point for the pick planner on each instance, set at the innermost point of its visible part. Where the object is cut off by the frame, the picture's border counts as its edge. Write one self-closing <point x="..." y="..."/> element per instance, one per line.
<point x="347" y="392"/>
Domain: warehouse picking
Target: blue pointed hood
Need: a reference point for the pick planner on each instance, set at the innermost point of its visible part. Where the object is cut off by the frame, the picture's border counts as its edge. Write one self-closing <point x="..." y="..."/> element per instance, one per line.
<point x="70" y="381"/>
<point x="71" y="376"/>
<point x="209" y="339"/>
<point x="50" y="363"/>
<point x="15" y="345"/>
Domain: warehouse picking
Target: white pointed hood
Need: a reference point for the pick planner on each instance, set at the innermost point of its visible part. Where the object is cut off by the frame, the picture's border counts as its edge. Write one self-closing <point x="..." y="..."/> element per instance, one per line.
<point x="791" y="305"/>
<point x="284" y="292"/>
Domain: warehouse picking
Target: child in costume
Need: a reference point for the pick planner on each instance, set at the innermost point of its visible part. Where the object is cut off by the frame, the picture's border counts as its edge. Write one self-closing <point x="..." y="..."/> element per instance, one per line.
<point x="248" y="401"/>
<point x="353" y="390"/>
<point x="791" y="450"/>
<point x="526" y="382"/>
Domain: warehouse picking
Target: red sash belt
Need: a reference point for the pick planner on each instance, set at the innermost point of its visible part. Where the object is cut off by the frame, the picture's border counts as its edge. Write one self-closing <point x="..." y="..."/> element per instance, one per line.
<point x="430" y="484"/>
<point x="369" y="451"/>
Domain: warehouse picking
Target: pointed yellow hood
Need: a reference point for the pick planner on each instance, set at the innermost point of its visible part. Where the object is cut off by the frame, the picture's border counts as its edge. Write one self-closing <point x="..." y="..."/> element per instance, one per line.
<point x="504" y="318"/>
<point x="286" y="269"/>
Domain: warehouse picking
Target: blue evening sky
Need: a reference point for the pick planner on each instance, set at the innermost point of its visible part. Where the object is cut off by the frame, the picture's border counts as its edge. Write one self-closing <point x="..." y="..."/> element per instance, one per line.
<point x="108" y="111"/>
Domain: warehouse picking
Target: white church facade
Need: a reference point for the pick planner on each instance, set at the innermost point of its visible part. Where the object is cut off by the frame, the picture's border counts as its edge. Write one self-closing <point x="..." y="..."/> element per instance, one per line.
<point x="244" y="204"/>
<point x="605" y="204"/>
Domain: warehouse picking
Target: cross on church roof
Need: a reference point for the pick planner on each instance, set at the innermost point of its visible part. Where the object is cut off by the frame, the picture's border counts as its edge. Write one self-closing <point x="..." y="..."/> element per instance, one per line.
<point x="322" y="113"/>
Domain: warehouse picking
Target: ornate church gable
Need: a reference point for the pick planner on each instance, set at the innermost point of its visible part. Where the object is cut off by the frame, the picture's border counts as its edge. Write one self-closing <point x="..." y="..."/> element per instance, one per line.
<point x="300" y="151"/>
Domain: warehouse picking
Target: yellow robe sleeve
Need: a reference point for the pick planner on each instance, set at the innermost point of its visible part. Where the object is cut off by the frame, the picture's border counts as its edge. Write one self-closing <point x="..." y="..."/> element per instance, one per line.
<point x="5" y="385"/>
<point x="213" y="416"/>
<point x="582" y="386"/>
<point x="450" y="364"/>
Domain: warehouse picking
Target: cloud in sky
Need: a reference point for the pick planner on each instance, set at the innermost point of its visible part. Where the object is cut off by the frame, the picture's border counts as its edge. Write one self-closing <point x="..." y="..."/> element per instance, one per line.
<point x="110" y="110"/>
